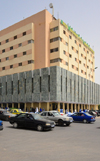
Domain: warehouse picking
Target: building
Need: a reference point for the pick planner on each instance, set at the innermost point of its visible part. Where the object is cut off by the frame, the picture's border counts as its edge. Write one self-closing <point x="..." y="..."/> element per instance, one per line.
<point x="45" y="63"/>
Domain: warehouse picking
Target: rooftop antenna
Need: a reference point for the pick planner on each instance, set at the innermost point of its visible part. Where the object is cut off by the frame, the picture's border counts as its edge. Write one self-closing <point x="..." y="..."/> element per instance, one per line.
<point x="51" y="6"/>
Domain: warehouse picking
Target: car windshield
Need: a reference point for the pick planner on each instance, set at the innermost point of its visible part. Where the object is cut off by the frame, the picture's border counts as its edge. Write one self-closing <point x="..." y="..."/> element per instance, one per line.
<point x="37" y="116"/>
<point x="88" y="114"/>
<point x="56" y="113"/>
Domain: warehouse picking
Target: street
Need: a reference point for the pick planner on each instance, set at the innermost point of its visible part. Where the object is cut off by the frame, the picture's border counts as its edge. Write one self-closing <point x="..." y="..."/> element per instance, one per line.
<point x="78" y="142"/>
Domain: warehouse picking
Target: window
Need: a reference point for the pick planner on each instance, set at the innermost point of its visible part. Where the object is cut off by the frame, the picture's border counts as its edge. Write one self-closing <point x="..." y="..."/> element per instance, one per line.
<point x="64" y="32"/>
<point x="81" y="55"/>
<point x="24" y="53"/>
<point x="0" y="60"/>
<point x="70" y="37"/>
<point x="19" y="45"/>
<point x="77" y="51"/>
<point x="30" y="41"/>
<point x="11" y="48"/>
<point x="75" y="41"/>
<point x="77" y="69"/>
<point x="15" y="56"/>
<point x="3" y="50"/>
<point x="85" y="73"/>
<point x="7" y="40"/>
<point x="85" y="58"/>
<point x="53" y="50"/>
<point x="70" y="55"/>
<point x="84" y="49"/>
<point x="7" y="58"/>
<point x="0" y="43"/>
<point x="3" y="68"/>
<point x="20" y="64"/>
<point x="55" y="60"/>
<point x="87" y="51"/>
<point x="30" y="61"/>
<point x="79" y="45"/>
<point x="43" y="114"/>
<point x="67" y="63"/>
<point x="11" y="66"/>
<point x="54" y="29"/>
<point x="88" y="67"/>
<point x="79" y="61"/>
<point x="24" y="33"/>
<point x="72" y="66"/>
<point x="55" y="39"/>
<point x="75" y="59"/>
<point x="66" y="44"/>
<point x="15" y="37"/>
<point x="64" y="52"/>
<point x="72" y="48"/>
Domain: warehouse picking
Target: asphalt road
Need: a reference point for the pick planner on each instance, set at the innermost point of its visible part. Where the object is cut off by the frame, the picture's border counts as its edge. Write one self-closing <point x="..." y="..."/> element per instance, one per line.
<point x="79" y="142"/>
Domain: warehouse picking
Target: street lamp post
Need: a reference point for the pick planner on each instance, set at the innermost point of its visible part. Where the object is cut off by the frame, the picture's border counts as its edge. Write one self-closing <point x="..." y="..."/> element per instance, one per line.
<point x="89" y="88"/>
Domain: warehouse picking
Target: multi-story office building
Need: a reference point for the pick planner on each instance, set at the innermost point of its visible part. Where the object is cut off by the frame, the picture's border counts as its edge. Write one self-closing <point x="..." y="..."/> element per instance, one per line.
<point x="44" y="63"/>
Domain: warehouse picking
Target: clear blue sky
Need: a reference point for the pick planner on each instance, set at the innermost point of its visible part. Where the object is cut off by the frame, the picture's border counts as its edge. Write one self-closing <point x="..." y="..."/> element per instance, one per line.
<point x="81" y="15"/>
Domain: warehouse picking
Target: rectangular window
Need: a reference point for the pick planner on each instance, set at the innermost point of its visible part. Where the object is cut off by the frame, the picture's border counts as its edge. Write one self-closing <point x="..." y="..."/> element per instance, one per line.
<point x="15" y="56"/>
<point x="79" y="45"/>
<point x="3" y="68"/>
<point x="77" y="69"/>
<point x="30" y="61"/>
<point x="75" y="41"/>
<point x="11" y="66"/>
<point x="72" y="66"/>
<point x="77" y="51"/>
<point x="55" y="60"/>
<point x="0" y="43"/>
<point x="75" y="59"/>
<point x="87" y="51"/>
<point x="84" y="49"/>
<point x="66" y="44"/>
<point x="54" y="29"/>
<point x="3" y="50"/>
<point x="0" y="60"/>
<point x="79" y="61"/>
<point x="7" y="58"/>
<point x="30" y="41"/>
<point x="70" y="55"/>
<point x="11" y="48"/>
<point x="15" y="37"/>
<point x="53" y="50"/>
<point x="72" y="48"/>
<point x="64" y="52"/>
<point x="70" y="37"/>
<point x="19" y="45"/>
<point x="7" y="40"/>
<point x="67" y="63"/>
<point x="24" y="53"/>
<point x="24" y="33"/>
<point x="64" y="32"/>
<point x="20" y="64"/>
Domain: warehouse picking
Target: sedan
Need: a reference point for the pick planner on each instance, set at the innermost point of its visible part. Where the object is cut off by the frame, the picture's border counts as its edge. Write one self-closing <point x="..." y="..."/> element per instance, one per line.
<point x="5" y="115"/>
<point x="1" y="125"/>
<point x="57" y="117"/>
<point x="83" y="117"/>
<point x="30" y="120"/>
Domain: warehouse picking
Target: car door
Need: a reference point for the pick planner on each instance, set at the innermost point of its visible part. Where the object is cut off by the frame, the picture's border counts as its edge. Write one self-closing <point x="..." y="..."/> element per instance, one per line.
<point x="50" y="116"/>
<point x="75" y="116"/>
<point x="81" y="117"/>
<point x="29" y="121"/>
<point x="20" y="119"/>
<point x="44" y="115"/>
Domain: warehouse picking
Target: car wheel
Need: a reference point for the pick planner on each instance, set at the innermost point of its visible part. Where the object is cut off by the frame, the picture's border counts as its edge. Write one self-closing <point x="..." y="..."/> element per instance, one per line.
<point x="39" y="127"/>
<point x="15" y="125"/>
<point x="85" y="121"/>
<point x="60" y="122"/>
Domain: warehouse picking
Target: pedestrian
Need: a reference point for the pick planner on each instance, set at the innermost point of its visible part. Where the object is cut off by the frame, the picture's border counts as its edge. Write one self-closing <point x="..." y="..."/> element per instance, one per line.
<point x="36" y="111"/>
<point x="66" y="111"/>
<point x="40" y="109"/>
<point x="43" y="109"/>
<point x="80" y="110"/>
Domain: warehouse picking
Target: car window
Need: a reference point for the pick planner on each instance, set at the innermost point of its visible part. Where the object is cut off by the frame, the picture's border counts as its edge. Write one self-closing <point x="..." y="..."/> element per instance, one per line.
<point x="82" y="114"/>
<point x="15" y="111"/>
<point x="50" y="114"/>
<point x="29" y="116"/>
<point x="21" y="116"/>
<point x="43" y="114"/>
<point x="75" y="114"/>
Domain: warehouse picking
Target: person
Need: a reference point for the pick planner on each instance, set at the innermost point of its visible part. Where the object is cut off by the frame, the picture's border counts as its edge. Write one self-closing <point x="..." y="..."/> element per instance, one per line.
<point x="75" y="110"/>
<point x="80" y="110"/>
<point x="43" y="109"/>
<point x="66" y="111"/>
<point x="40" y="109"/>
<point x="36" y="111"/>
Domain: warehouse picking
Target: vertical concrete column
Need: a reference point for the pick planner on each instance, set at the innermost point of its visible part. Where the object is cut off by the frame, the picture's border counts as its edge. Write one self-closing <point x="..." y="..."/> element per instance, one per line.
<point x="39" y="105"/>
<point x="68" y="107"/>
<point x="32" y="105"/>
<point x="81" y="107"/>
<point x="58" y="107"/>
<point x="47" y="106"/>
<point x="71" y="107"/>
<point x="18" y="105"/>
<point x="84" y="106"/>
<point x="2" y="105"/>
<point x="12" y="105"/>
<point x="63" y="108"/>
<point x="78" y="107"/>
<point x="25" y="107"/>
<point x="6" y="104"/>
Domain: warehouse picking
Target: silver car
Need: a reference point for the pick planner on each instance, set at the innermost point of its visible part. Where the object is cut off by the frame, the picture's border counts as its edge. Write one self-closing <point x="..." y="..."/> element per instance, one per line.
<point x="57" y="117"/>
<point x="5" y="115"/>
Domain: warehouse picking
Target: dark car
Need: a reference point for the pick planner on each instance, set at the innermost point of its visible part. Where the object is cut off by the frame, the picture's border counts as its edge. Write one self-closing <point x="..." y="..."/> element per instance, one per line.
<point x="83" y="117"/>
<point x="5" y="115"/>
<point x="1" y="125"/>
<point x="30" y="120"/>
<point x="98" y="112"/>
<point x="92" y="112"/>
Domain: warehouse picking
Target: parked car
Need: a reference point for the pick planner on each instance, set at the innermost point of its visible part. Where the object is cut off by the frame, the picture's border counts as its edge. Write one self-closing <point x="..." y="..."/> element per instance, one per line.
<point x="98" y="112"/>
<point x="30" y="120"/>
<point x="5" y="115"/>
<point x="1" y="125"/>
<point x="57" y="117"/>
<point x="92" y="112"/>
<point x="16" y="111"/>
<point x="83" y="117"/>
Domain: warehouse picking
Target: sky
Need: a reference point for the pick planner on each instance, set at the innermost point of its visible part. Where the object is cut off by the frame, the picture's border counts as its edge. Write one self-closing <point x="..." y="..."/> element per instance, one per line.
<point x="81" y="15"/>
